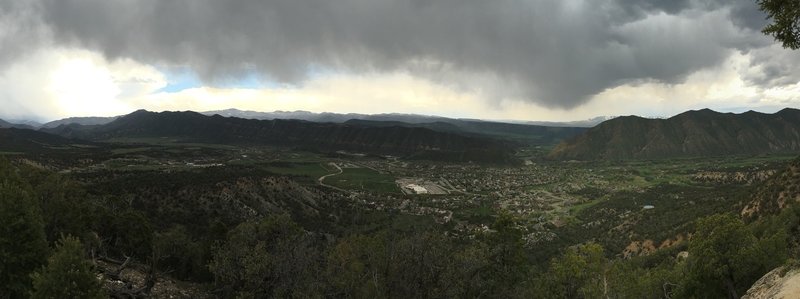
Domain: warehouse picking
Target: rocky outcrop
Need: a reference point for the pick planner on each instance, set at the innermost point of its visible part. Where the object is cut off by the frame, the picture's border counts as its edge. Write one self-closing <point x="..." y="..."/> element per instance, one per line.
<point x="734" y="177"/>
<point x="646" y="247"/>
<point x="777" y="284"/>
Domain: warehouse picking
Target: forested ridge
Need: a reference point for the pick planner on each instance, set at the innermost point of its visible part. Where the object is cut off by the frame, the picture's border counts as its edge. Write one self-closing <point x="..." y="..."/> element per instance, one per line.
<point x="701" y="133"/>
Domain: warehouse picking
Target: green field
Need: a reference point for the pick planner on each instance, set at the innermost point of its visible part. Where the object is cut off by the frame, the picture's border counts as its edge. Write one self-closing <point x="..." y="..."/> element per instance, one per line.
<point x="576" y="209"/>
<point x="124" y="151"/>
<point x="171" y="142"/>
<point x="363" y="179"/>
<point x="299" y="169"/>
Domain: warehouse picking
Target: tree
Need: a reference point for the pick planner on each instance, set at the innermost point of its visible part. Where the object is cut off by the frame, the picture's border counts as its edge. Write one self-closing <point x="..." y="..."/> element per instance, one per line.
<point x="175" y="250"/>
<point x="270" y="258"/>
<point x="357" y="266"/>
<point x="724" y="258"/>
<point x="634" y="279"/>
<point x="23" y="246"/>
<point x="464" y="277"/>
<point x="579" y="273"/>
<point x="419" y="264"/>
<point x="129" y="233"/>
<point x="68" y="274"/>
<point x="508" y="263"/>
<point x="785" y="26"/>
<point x="63" y="205"/>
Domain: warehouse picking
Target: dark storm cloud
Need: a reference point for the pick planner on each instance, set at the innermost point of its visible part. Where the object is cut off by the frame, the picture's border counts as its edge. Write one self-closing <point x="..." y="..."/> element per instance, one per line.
<point x="744" y="13"/>
<point x="773" y="67"/>
<point x="556" y="53"/>
<point x="20" y="29"/>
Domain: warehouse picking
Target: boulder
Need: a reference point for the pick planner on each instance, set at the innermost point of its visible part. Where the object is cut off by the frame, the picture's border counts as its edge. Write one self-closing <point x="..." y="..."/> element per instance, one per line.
<point x="777" y="284"/>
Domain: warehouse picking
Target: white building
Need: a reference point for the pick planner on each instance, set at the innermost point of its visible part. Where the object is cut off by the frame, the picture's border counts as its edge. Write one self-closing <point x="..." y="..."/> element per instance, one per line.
<point x="417" y="189"/>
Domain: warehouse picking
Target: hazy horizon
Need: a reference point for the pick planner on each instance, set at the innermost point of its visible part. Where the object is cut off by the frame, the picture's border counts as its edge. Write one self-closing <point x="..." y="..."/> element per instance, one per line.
<point x="767" y="110"/>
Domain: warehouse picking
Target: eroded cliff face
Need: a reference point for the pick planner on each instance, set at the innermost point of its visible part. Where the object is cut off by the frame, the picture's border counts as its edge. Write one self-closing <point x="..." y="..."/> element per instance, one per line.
<point x="735" y="177"/>
<point x="780" y="283"/>
<point x="775" y="194"/>
<point x="646" y="247"/>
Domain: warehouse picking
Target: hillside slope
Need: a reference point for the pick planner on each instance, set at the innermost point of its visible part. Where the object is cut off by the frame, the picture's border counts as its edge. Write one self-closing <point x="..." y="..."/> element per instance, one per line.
<point x="691" y="134"/>
<point x="775" y="194"/>
<point x="24" y="140"/>
<point x="5" y="124"/>
<point x="86" y="121"/>
<point x="528" y="133"/>
<point x="393" y="140"/>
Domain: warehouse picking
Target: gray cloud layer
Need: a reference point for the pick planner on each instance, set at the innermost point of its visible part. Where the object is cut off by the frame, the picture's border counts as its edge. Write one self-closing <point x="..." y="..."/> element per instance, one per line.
<point x="553" y="52"/>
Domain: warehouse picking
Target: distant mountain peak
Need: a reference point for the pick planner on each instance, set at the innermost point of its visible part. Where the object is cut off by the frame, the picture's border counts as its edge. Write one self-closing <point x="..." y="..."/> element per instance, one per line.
<point x="698" y="112"/>
<point x="85" y="121"/>
<point x="7" y="124"/>
<point x="690" y="134"/>
<point x="140" y="111"/>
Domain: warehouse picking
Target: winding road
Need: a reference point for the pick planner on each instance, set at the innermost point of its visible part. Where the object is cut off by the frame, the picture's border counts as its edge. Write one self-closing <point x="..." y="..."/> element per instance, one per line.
<point x="322" y="178"/>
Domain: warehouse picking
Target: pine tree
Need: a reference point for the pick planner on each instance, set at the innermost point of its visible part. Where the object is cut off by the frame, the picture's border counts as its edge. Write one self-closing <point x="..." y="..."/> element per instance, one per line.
<point x="785" y="26"/>
<point x="67" y="275"/>
<point x="23" y="246"/>
<point x="723" y="258"/>
<point x="507" y="260"/>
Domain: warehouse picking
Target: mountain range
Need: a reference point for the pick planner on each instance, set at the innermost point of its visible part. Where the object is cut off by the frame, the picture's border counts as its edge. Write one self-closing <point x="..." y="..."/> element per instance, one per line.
<point x="324" y="117"/>
<point x="587" y="123"/>
<point x="5" y="124"/>
<point x="86" y="121"/>
<point x="689" y="134"/>
<point x="699" y="133"/>
<point x="408" y="141"/>
<point x="396" y="117"/>
<point x="526" y="133"/>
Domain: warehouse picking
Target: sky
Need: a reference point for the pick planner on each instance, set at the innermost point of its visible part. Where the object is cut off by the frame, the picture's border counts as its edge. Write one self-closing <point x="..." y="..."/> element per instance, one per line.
<point x="551" y="60"/>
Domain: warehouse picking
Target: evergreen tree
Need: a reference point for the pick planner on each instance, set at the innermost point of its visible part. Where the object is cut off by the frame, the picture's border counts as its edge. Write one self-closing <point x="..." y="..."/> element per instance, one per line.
<point x="785" y="26"/>
<point x="271" y="258"/>
<point x="579" y="273"/>
<point x="508" y="262"/>
<point x="23" y="246"/>
<point x="64" y="206"/>
<point x="67" y="275"/>
<point x="723" y="260"/>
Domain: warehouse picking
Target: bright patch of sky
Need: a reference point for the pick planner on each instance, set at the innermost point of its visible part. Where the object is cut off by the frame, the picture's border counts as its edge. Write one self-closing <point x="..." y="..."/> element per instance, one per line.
<point x="182" y="78"/>
<point x="179" y="78"/>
